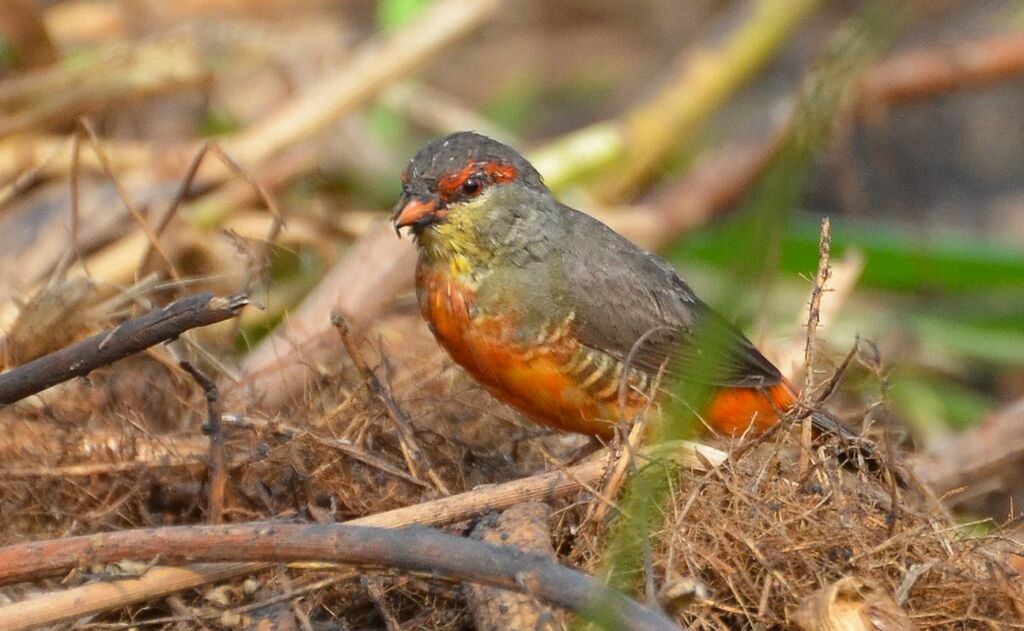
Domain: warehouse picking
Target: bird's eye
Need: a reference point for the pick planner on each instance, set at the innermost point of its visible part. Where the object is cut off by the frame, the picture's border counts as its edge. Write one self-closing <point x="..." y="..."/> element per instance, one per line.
<point x="472" y="186"/>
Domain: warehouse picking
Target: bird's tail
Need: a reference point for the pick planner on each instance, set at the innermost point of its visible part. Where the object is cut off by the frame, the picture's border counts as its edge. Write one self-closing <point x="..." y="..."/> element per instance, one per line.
<point x="853" y="452"/>
<point x="732" y="409"/>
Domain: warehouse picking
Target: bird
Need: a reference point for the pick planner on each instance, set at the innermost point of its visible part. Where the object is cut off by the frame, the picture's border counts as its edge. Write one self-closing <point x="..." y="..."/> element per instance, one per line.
<point x="558" y="315"/>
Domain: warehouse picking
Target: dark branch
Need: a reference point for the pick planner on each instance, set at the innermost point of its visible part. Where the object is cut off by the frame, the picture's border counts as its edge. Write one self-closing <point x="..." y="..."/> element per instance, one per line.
<point x="416" y="549"/>
<point x="126" y="339"/>
<point x="212" y="428"/>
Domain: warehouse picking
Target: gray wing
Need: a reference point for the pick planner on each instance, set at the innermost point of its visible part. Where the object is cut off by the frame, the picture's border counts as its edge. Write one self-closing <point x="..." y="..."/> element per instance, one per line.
<point x="621" y="293"/>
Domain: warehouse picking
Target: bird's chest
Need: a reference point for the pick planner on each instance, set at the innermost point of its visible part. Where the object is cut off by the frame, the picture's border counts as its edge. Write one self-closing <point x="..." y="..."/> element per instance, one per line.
<point x="539" y="368"/>
<point x="490" y="337"/>
<point x="476" y="335"/>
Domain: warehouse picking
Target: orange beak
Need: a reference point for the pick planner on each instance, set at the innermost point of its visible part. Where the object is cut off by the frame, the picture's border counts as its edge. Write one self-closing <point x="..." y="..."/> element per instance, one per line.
<point x="413" y="212"/>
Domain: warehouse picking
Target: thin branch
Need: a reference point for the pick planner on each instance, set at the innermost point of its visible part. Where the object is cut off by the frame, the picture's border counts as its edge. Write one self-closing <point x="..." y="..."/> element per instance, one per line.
<point x="929" y="72"/>
<point x="414" y="549"/>
<point x="813" y="316"/>
<point x="830" y="386"/>
<point x="126" y="339"/>
<point x="103" y="595"/>
<point x="211" y="147"/>
<point x="94" y="140"/>
<point x="212" y="428"/>
<point x="814" y="306"/>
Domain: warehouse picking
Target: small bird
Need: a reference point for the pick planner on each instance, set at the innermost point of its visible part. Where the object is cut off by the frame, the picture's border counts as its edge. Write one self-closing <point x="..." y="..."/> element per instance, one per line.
<point x="552" y="311"/>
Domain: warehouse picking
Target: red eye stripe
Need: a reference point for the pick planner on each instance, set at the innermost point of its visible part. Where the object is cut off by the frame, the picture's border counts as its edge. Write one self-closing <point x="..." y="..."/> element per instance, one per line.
<point x="448" y="186"/>
<point x="500" y="172"/>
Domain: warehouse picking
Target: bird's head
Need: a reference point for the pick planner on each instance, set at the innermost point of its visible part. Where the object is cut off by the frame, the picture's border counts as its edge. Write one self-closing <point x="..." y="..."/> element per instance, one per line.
<point x="464" y="193"/>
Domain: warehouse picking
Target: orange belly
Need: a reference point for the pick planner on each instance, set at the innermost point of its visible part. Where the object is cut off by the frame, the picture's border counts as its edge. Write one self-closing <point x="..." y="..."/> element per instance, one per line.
<point x="535" y="380"/>
<point x="531" y="378"/>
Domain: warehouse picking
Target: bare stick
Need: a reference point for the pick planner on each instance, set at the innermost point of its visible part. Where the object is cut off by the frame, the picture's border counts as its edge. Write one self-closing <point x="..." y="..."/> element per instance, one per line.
<point x="179" y="197"/>
<point x="126" y="339"/>
<point x="622" y="464"/>
<point x="813" y="315"/>
<point x="927" y="72"/>
<point x="542" y="487"/>
<point x="830" y="386"/>
<point x="103" y="595"/>
<point x="76" y="154"/>
<point x="814" y="306"/>
<point x="410" y="549"/>
<point x="212" y="428"/>
<point x="415" y="459"/>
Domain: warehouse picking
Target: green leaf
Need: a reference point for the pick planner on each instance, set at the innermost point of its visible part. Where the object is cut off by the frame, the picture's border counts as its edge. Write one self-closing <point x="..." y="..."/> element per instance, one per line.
<point x="894" y="259"/>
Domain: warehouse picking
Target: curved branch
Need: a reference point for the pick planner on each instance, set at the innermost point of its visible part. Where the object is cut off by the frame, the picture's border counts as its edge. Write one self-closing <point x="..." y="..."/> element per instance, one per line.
<point x="413" y="549"/>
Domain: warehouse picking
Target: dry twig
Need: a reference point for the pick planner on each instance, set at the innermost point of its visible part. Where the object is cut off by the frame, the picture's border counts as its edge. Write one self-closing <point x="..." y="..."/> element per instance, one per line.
<point x="813" y="315"/>
<point x="212" y="428"/>
<point x="928" y="72"/>
<point x="126" y="339"/>
<point x="411" y="549"/>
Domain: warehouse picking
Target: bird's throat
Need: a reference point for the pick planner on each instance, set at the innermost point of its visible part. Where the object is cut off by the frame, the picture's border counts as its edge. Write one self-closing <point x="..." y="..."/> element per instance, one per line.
<point x="454" y="244"/>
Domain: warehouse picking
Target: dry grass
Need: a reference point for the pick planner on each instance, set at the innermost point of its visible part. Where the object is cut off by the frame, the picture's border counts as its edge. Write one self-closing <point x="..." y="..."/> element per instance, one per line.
<point x="762" y="543"/>
<point x="757" y="539"/>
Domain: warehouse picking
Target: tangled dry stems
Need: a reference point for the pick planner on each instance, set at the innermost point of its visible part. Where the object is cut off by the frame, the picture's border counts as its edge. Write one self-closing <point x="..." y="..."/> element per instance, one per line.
<point x="762" y="543"/>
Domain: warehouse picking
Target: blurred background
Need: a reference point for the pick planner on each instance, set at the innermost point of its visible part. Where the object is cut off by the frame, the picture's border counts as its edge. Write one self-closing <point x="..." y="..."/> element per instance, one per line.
<point x="717" y="132"/>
